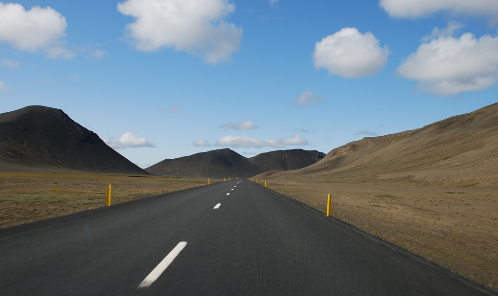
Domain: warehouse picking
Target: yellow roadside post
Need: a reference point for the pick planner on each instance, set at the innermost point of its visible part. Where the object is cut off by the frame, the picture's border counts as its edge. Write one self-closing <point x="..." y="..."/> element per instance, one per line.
<point x="328" y="206"/>
<point x="223" y="179"/>
<point x="265" y="183"/>
<point x="256" y="181"/>
<point x="208" y="181"/>
<point x="108" y="201"/>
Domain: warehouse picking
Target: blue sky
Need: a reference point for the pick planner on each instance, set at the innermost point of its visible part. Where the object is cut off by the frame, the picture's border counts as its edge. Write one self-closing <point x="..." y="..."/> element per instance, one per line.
<point x="163" y="79"/>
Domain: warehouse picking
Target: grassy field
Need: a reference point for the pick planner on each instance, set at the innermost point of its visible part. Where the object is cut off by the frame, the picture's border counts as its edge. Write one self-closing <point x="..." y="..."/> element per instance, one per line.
<point x="27" y="196"/>
<point x="453" y="225"/>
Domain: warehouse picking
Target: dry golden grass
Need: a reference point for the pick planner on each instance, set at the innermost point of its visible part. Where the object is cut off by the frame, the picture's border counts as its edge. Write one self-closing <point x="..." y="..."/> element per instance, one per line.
<point x="454" y="226"/>
<point x="30" y="196"/>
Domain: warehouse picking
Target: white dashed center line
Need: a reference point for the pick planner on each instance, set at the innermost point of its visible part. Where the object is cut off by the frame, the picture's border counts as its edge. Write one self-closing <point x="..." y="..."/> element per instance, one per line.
<point x="217" y="206"/>
<point x="152" y="277"/>
<point x="231" y="189"/>
<point x="228" y="193"/>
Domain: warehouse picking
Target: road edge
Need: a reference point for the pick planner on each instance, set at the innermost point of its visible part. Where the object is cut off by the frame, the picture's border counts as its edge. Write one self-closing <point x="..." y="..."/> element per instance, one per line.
<point x="59" y="220"/>
<point x="393" y="247"/>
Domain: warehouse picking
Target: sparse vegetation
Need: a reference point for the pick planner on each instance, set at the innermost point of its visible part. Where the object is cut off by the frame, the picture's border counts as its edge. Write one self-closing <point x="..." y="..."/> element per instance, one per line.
<point x="27" y="196"/>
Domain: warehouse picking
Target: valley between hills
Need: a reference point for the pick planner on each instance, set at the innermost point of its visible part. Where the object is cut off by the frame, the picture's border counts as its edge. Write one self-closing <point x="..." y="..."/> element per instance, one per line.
<point x="432" y="191"/>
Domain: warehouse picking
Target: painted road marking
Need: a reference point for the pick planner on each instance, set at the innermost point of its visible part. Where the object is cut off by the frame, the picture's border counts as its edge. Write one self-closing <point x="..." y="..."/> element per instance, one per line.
<point x="152" y="277"/>
<point x="217" y="206"/>
<point x="231" y="189"/>
<point x="228" y="193"/>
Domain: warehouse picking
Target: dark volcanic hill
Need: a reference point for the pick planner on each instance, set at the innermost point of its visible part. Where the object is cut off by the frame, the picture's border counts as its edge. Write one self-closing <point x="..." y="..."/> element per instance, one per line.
<point x="37" y="137"/>
<point x="285" y="160"/>
<point x="225" y="163"/>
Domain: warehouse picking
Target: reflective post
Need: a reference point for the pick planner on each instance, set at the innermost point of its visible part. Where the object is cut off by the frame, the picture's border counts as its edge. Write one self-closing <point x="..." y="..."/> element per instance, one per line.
<point x="108" y="201"/>
<point x="328" y="206"/>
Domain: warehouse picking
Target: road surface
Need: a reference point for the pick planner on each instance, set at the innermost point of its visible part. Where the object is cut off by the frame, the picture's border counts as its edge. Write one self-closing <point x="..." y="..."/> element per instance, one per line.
<point x="230" y="238"/>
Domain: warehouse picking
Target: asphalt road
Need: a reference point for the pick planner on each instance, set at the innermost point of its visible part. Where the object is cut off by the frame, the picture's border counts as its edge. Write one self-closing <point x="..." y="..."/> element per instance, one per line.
<point x="255" y="242"/>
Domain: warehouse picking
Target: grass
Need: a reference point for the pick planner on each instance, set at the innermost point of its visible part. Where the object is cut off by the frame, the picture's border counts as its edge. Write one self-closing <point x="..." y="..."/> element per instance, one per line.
<point x="384" y="196"/>
<point x="27" y="196"/>
<point x="455" y="229"/>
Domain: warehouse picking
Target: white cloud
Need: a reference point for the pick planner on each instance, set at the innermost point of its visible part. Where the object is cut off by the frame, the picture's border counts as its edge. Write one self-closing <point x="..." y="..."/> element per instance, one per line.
<point x="37" y="28"/>
<point x="3" y="88"/>
<point x="303" y="130"/>
<point x="195" y="26"/>
<point x="447" y="65"/>
<point x="419" y="8"/>
<point x="307" y="97"/>
<point x="245" y="125"/>
<point x="350" y="54"/>
<point x="174" y="109"/>
<point x="273" y="2"/>
<point x="11" y="64"/>
<point x="366" y="133"/>
<point x="201" y="143"/>
<point x="251" y="142"/>
<point x="128" y="140"/>
<point x="447" y="32"/>
<point x="97" y="54"/>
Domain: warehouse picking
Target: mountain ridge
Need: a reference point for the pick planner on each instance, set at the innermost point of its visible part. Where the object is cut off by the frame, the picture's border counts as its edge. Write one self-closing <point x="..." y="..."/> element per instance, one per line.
<point x="226" y="163"/>
<point x="45" y="138"/>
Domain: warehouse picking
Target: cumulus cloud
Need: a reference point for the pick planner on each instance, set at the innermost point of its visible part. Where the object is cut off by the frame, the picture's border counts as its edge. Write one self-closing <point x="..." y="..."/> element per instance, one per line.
<point x="447" y="32"/>
<point x="11" y="64"/>
<point x="448" y="65"/>
<point x="195" y="26"/>
<point x="174" y="109"/>
<point x="3" y="88"/>
<point x="307" y="97"/>
<point x="303" y="130"/>
<point x="201" y="143"/>
<point x="245" y="125"/>
<point x="251" y="142"/>
<point x="419" y="8"/>
<point x="128" y="140"/>
<point x="351" y="54"/>
<point x="366" y="133"/>
<point x="37" y="28"/>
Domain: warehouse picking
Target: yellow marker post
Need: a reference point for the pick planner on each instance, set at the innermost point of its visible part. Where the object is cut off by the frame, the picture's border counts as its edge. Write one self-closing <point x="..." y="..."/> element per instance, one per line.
<point x="265" y="183"/>
<point x="108" y="201"/>
<point x="256" y="181"/>
<point x="328" y="206"/>
<point x="223" y="179"/>
<point x="208" y="181"/>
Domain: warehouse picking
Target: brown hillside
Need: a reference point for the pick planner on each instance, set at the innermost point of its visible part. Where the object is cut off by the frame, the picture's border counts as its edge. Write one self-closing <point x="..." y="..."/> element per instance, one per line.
<point x="457" y="149"/>
<point x="43" y="138"/>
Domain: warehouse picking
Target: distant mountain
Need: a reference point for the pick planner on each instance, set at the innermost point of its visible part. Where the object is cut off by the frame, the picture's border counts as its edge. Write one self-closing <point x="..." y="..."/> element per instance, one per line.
<point x="285" y="160"/>
<point x="225" y="163"/>
<point x="462" y="148"/>
<point x="43" y="138"/>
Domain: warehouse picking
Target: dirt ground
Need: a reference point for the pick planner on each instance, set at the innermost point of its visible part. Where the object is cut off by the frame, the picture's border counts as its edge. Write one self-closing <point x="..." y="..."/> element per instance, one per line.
<point x="28" y="196"/>
<point x="454" y="226"/>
